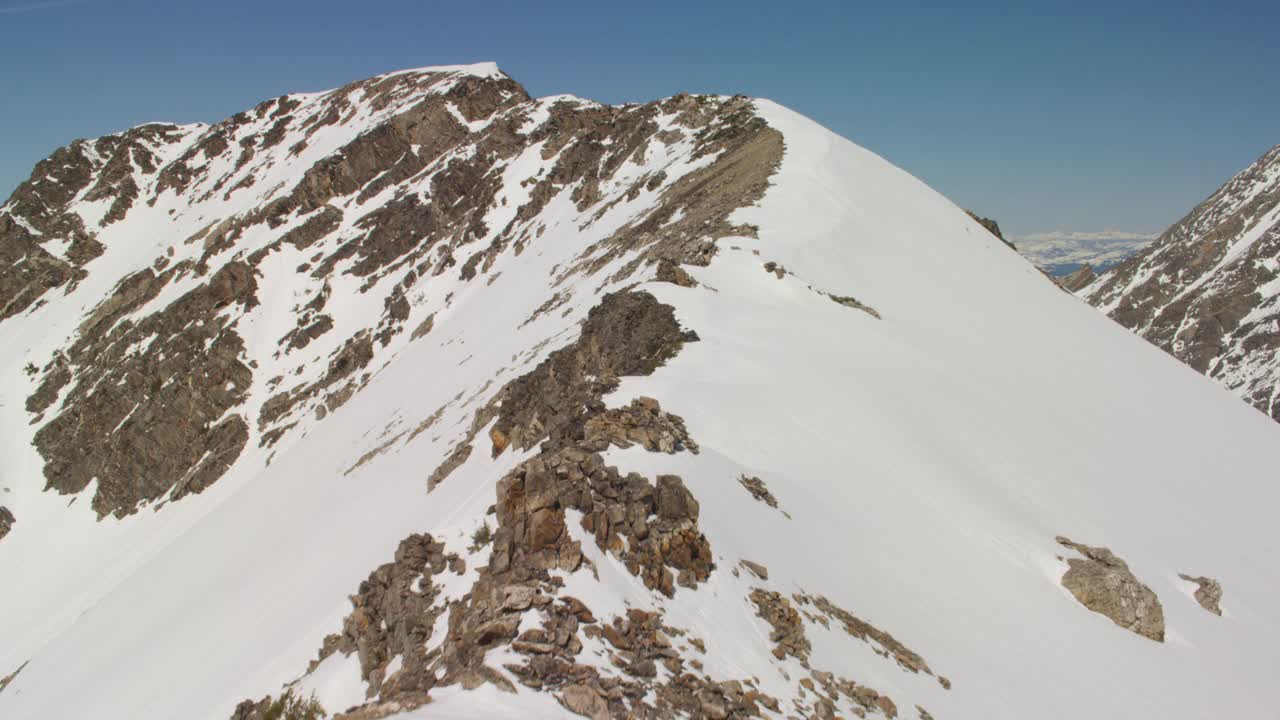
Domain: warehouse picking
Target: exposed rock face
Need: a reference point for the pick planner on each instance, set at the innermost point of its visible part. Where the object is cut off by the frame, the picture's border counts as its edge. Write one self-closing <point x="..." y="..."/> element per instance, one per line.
<point x="788" y="627"/>
<point x="6" y="521"/>
<point x="758" y="490"/>
<point x="1077" y="280"/>
<point x="44" y="243"/>
<point x="393" y="615"/>
<point x="143" y="424"/>
<point x="755" y="568"/>
<point x="627" y="334"/>
<point x="672" y="273"/>
<point x="1103" y="583"/>
<point x="1205" y="290"/>
<point x="991" y="226"/>
<point x="1208" y="594"/>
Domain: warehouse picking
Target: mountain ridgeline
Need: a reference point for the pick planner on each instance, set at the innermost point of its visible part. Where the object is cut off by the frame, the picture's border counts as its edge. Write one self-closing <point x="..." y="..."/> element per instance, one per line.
<point x="422" y="397"/>
<point x="1207" y="291"/>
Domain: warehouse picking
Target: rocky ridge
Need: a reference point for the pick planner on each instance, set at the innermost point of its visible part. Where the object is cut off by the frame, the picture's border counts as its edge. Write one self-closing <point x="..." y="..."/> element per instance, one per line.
<point x="506" y="373"/>
<point x="515" y="606"/>
<point x="1205" y="291"/>
<point x="401" y="179"/>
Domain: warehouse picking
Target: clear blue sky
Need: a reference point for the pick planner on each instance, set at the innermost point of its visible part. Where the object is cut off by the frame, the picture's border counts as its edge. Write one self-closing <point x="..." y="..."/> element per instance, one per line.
<point x="1074" y="115"/>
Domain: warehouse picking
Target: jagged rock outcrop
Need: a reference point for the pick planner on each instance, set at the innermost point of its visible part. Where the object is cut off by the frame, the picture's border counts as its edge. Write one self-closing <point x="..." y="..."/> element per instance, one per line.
<point x="991" y="226"/>
<point x="1103" y="583"/>
<point x="651" y="528"/>
<point x="627" y="334"/>
<point x="1208" y="593"/>
<point x="758" y="490"/>
<point x="1205" y="291"/>
<point x="788" y="628"/>
<point x="117" y="404"/>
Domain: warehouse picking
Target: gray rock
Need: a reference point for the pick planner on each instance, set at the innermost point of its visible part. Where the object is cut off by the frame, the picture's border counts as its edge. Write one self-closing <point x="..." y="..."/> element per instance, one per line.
<point x="1103" y="583"/>
<point x="675" y="502"/>
<point x="584" y="700"/>
<point x="1209" y="594"/>
<point x="756" y="569"/>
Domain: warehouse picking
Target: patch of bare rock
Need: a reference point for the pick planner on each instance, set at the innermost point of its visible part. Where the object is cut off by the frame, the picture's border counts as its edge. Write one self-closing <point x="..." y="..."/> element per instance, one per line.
<point x="788" y="633"/>
<point x="669" y="272"/>
<point x="1102" y="582"/>
<point x="852" y="302"/>
<point x="759" y="491"/>
<point x="559" y="401"/>
<point x="990" y="226"/>
<point x="6" y="521"/>
<point x="4" y="681"/>
<point x="144" y="424"/>
<point x="1208" y="594"/>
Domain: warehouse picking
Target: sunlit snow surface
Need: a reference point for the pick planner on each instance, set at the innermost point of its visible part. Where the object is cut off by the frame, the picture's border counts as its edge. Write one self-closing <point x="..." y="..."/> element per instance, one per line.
<point x="926" y="459"/>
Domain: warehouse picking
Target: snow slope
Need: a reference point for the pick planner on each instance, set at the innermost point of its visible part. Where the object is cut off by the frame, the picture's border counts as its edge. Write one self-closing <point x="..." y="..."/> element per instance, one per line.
<point x="925" y="459"/>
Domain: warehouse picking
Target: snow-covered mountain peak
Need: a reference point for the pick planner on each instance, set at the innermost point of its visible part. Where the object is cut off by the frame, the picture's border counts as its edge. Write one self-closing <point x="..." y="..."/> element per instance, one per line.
<point x="424" y="398"/>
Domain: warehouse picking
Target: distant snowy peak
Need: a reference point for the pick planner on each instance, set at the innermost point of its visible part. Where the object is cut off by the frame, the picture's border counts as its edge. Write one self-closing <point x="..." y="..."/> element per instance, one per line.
<point x="1207" y="291"/>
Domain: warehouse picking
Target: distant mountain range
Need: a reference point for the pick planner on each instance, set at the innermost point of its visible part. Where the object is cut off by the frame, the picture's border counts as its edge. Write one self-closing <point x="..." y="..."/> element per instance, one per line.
<point x="1061" y="253"/>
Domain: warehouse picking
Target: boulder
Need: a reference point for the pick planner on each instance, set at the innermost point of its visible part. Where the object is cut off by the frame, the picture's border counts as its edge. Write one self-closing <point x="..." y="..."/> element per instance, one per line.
<point x="1103" y="583"/>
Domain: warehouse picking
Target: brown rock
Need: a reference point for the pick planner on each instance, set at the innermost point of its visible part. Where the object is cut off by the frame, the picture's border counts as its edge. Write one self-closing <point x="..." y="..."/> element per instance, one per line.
<point x="675" y="502"/>
<point x="586" y="701"/>
<point x="756" y="569"/>
<point x="1209" y="594"/>
<point x="670" y="272"/>
<point x="1103" y="583"/>
<point x="545" y="528"/>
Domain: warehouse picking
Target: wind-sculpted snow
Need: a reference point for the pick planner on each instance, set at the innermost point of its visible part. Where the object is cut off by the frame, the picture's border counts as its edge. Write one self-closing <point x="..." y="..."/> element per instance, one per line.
<point x="1208" y="290"/>
<point x="423" y="398"/>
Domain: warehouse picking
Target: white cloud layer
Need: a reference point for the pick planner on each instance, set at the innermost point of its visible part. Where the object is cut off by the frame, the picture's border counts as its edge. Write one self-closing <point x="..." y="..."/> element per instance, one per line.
<point x="1102" y="235"/>
<point x="1059" y="249"/>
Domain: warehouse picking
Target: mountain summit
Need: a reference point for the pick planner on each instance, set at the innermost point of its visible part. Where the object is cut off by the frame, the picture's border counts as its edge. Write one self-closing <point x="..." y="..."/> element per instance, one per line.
<point x="422" y="398"/>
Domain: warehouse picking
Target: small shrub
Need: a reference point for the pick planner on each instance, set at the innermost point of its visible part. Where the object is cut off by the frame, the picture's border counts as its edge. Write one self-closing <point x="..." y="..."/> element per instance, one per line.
<point x="31" y="369"/>
<point x="481" y="537"/>
<point x="291" y="707"/>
